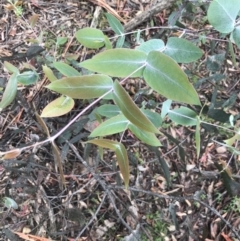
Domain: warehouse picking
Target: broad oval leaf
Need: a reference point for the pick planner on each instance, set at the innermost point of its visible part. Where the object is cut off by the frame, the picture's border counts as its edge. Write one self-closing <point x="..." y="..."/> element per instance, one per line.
<point x="111" y="126"/>
<point x="183" y="116"/>
<point x="117" y="62"/>
<point x="145" y="136"/>
<point x="165" y="76"/>
<point x="28" y="77"/>
<point x="66" y="70"/>
<point x="115" y="24"/>
<point x="151" y="45"/>
<point x="10" y="92"/>
<point x="91" y="38"/>
<point x="182" y="51"/>
<point x="108" y="110"/>
<point x="83" y="87"/>
<point x="222" y="14"/>
<point x="130" y="109"/>
<point x="58" y="107"/>
<point x="121" y="153"/>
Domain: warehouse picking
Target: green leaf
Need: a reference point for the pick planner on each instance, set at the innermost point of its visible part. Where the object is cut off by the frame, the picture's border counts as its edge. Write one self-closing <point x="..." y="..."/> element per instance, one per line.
<point x="154" y="117"/>
<point x="122" y="159"/>
<point x="117" y="62"/>
<point x="107" y="42"/>
<point x="91" y="38"/>
<point x="165" y="76"/>
<point x="115" y="24"/>
<point x="65" y="69"/>
<point x="236" y="36"/>
<point x="10" y="68"/>
<point x="120" y="41"/>
<point x="130" y="109"/>
<point x="183" y="116"/>
<point x="145" y="136"/>
<point x="61" y="40"/>
<point x="121" y="154"/>
<point x="182" y="51"/>
<point x="111" y="126"/>
<point x="151" y="45"/>
<point x="10" y="203"/>
<point x="165" y="108"/>
<point x="232" y="140"/>
<point x="197" y="137"/>
<point x="28" y="77"/>
<point x="10" y="92"/>
<point x="82" y="87"/>
<point x="222" y="14"/>
<point x="58" y="107"/>
<point x="108" y="110"/>
<point x="48" y="72"/>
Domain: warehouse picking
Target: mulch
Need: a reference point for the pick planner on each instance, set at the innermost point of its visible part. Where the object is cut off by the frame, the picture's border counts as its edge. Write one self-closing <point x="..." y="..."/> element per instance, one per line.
<point x="94" y="205"/>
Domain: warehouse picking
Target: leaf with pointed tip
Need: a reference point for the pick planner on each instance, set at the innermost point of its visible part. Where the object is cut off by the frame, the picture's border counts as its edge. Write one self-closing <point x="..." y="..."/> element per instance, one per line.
<point x="183" y="116"/>
<point x="121" y="153"/>
<point x="83" y="87"/>
<point x="10" y="92"/>
<point x="222" y="14"/>
<point x="166" y="77"/>
<point x="154" y="117"/>
<point x="166" y="107"/>
<point x="111" y="126"/>
<point x="130" y="109"/>
<point x="65" y="69"/>
<point x="12" y="154"/>
<point x="91" y="38"/>
<point x="58" y="107"/>
<point x="28" y="77"/>
<point x="108" y="110"/>
<point x="115" y="24"/>
<point x="145" y="136"/>
<point x="151" y="45"/>
<point x="122" y="159"/>
<point x="61" y="41"/>
<point x="231" y="141"/>
<point x="10" y="68"/>
<point x="120" y="41"/>
<point x="117" y="62"/>
<point x="107" y="42"/>
<point x="48" y="72"/>
<point x="182" y="51"/>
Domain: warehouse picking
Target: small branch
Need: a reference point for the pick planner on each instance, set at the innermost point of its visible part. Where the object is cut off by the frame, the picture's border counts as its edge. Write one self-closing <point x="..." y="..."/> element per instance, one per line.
<point x="154" y="9"/>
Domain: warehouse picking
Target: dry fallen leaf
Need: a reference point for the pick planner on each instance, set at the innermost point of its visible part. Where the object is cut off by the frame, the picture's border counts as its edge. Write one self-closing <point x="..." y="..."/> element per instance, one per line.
<point x="30" y="237"/>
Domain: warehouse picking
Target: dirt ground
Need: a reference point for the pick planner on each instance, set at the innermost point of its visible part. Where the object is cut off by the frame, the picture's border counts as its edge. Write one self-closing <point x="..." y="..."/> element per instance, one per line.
<point x="94" y="205"/>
